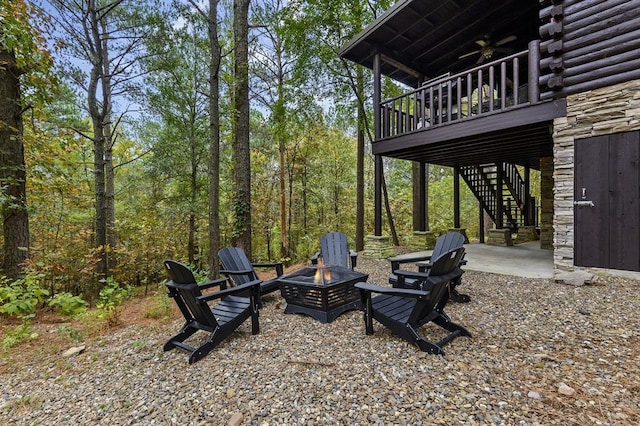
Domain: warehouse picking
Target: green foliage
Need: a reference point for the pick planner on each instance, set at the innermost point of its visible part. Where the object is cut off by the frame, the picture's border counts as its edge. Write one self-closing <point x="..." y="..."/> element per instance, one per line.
<point x="19" y="334"/>
<point x="112" y="294"/>
<point x="20" y="298"/>
<point x="19" y="34"/>
<point x="70" y="332"/>
<point x="67" y="304"/>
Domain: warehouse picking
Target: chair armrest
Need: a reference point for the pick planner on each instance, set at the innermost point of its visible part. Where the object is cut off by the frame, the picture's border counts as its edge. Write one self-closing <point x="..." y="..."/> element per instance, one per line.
<point x="392" y="291"/>
<point x="227" y="272"/>
<point x="399" y="260"/>
<point x="401" y="273"/>
<point x="222" y="282"/>
<point x="354" y="258"/>
<point x="279" y="267"/>
<point x="232" y="290"/>
<point x="425" y="266"/>
<point x="426" y="278"/>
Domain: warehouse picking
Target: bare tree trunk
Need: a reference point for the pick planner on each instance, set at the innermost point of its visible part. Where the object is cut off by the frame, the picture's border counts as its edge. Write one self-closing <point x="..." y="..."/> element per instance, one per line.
<point x="284" y="234"/>
<point x="97" y="120"/>
<point x="214" y="145"/>
<point x="109" y="141"/>
<point x="192" y="245"/>
<point x="241" y="151"/>
<point x="15" y="219"/>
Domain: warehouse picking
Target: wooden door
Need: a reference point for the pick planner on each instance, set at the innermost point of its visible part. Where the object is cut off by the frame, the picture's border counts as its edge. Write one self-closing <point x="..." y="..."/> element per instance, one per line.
<point x="607" y="201"/>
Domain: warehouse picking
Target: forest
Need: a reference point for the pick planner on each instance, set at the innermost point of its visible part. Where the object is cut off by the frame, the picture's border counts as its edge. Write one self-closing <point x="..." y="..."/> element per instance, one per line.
<point x="136" y="131"/>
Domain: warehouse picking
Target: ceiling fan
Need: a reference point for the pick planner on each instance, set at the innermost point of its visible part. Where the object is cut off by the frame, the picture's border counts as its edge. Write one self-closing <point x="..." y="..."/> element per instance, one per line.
<point x="488" y="47"/>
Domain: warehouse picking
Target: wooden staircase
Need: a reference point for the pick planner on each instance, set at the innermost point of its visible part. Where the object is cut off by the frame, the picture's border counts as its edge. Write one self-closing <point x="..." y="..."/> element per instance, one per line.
<point x="500" y="190"/>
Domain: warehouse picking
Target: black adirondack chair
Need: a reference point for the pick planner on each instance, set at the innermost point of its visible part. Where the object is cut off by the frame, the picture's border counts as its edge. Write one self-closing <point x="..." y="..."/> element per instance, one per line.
<point x="220" y="320"/>
<point x="403" y="278"/>
<point x="237" y="268"/>
<point x="334" y="250"/>
<point x="404" y="310"/>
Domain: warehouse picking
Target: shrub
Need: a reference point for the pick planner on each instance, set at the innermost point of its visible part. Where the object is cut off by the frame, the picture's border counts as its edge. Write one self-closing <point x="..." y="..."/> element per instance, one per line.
<point x="67" y="304"/>
<point x="21" y="297"/>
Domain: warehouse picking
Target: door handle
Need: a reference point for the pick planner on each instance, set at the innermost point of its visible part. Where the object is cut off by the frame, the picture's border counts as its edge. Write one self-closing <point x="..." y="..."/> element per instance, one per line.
<point x="584" y="203"/>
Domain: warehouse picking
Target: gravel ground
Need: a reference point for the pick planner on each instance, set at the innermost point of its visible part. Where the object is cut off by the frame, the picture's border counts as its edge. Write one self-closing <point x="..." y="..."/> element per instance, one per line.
<point x="541" y="354"/>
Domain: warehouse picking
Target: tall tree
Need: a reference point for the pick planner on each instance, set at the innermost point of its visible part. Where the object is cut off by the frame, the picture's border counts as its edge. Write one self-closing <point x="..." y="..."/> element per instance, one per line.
<point x="215" y="58"/>
<point x="274" y="81"/>
<point x="214" y="139"/>
<point x="241" y="150"/>
<point x="176" y="94"/>
<point x="106" y="37"/>
<point x="322" y="28"/>
<point x="20" y="54"/>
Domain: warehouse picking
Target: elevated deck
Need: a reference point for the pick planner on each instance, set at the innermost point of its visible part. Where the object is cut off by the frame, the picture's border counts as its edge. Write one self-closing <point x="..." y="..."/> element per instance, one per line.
<point x="491" y="113"/>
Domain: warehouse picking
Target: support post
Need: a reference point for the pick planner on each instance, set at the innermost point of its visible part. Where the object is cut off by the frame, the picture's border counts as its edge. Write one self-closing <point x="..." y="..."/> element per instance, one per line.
<point x="534" y="71"/>
<point x="377" y="86"/>
<point x="456" y="197"/>
<point x="481" y="221"/>
<point x="499" y="201"/>
<point x="422" y="195"/>
<point x="527" y="197"/>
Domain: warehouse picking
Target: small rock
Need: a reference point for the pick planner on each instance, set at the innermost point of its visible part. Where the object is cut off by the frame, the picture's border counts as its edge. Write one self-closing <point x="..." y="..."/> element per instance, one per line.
<point x="534" y="395"/>
<point x="236" y="419"/>
<point x="73" y="351"/>
<point x="577" y="278"/>
<point x="564" y="389"/>
<point x="231" y="393"/>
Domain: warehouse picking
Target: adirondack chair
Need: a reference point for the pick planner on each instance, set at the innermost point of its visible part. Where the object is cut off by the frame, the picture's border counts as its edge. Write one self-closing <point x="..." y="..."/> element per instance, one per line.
<point x="334" y="250"/>
<point x="238" y="269"/>
<point x="404" y="310"/>
<point x="444" y="243"/>
<point x="220" y="320"/>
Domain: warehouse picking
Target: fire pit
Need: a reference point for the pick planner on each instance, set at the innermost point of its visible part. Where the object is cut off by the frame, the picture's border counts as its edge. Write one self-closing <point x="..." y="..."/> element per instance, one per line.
<point x="323" y="292"/>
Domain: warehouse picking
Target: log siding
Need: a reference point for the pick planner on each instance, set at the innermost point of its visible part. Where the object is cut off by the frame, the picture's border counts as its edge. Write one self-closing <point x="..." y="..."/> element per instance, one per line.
<point x="588" y="44"/>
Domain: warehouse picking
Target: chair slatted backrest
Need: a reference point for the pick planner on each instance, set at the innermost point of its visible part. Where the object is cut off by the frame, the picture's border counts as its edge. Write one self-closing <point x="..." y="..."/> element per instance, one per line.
<point x="445" y="264"/>
<point x="235" y="259"/>
<point x="334" y="249"/>
<point x="447" y="242"/>
<point x="184" y="289"/>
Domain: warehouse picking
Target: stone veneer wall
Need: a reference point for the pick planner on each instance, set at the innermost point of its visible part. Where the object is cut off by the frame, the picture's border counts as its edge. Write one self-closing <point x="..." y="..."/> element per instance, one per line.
<point x="604" y="111"/>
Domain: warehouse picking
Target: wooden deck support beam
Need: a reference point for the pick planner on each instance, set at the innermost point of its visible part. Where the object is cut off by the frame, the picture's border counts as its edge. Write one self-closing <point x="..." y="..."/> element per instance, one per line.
<point x="456" y="197"/>
<point x="377" y="87"/>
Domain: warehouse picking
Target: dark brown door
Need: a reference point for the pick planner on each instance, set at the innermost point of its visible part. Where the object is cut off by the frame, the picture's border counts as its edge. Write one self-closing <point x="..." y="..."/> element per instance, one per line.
<point x="607" y="201"/>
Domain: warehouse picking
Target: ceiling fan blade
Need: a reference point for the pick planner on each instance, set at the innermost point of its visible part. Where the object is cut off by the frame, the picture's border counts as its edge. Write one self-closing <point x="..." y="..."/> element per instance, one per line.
<point x="480" y="59"/>
<point x="466" y="55"/>
<point x="505" y="40"/>
<point x="482" y="43"/>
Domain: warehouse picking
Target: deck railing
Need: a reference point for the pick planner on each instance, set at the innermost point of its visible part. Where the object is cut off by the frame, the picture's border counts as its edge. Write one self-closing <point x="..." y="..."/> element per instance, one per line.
<point x="487" y="89"/>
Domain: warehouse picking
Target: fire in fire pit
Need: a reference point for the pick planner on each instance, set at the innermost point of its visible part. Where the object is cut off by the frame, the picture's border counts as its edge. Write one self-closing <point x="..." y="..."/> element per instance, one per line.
<point x="322" y="276"/>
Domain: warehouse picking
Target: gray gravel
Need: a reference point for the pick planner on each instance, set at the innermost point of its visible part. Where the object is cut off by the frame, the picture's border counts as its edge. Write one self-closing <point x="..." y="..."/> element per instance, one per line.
<point x="541" y="354"/>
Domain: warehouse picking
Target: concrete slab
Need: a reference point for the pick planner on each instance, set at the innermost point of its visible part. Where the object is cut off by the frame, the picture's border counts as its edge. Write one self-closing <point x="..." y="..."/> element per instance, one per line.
<point x="526" y="260"/>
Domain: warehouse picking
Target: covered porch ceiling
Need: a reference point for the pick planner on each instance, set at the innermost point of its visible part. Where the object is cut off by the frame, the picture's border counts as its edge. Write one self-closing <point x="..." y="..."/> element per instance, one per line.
<point x="422" y="39"/>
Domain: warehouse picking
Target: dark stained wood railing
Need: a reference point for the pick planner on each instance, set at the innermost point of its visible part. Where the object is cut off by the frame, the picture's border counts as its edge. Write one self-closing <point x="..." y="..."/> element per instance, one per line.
<point x="487" y="89"/>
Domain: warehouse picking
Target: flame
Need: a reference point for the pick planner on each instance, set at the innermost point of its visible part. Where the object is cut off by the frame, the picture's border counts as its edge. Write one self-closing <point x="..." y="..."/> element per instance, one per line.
<point x="322" y="275"/>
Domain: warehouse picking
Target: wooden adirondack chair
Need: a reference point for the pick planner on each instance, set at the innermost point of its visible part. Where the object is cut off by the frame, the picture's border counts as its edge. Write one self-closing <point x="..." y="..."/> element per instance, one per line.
<point x="334" y="250"/>
<point x="237" y="268"/>
<point x="403" y="279"/>
<point x="220" y="320"/>
<point x="404" y="310"/>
